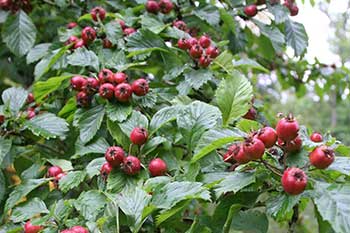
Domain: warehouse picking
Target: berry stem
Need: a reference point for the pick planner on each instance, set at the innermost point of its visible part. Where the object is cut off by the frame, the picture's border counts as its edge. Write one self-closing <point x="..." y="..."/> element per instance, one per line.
<point x="272" y="168"/>
<point x="293" y="221"/>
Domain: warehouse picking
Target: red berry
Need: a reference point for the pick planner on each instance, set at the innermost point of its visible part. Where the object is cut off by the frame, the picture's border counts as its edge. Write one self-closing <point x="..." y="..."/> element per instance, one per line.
<point x="250" y="10"/>
<point x="29" y="228"/>
<point x="105" y="170"/>
<point x="79" y="44"/>
<point x="251" y="114"/>
<point x="30" y="98"/>
<point x="30" y="114"/>
<point x="294" y="145"/>
<point x="204" y="61"/>
<point x="254" y="148"/>
<point x="192" y="41"/>
<point x="5" y="4"/>
<point x="119" y="78"/>
<point x="122" y="24"/>
<point x="238" y="154"/>
<point x="54" y="171"/>
<point x="213" y="52"/>
<point x="294" y="181"/>
<point x="92" y="85"/>
<point x="268" y="136"/>
<point x="123" y="92"/>
<point x="79" y="229"/>
<point x="129" y="31"/>
<point x="196" y="51"/>
<point x="68" y="231"/>
<point x="114" y="156"/>
<point x="107" y="44"/>
<point x="183" y="44"/>
<point x="157" y="167"/>
<point x="132" y="165"/>
<point x="180" y="25"/>
<point x="228" y="158"/>
<point x="72" y="40"/>
<point x="88" y="34"/>
<point x="2" y="119"/>
<point x="140" y="87"/>
<point x="166" y="6"/>
<point x="294" y="10"/>
<point x="98" y="12"/>
<point x="152" y="6"/>
<point x="287" y="128"/>
<point x="106" y="91"/>
<point x="204" y="41"/>
<point x="78" y="83"/>
<point x="139" y="135"/>
<point x="72" y="25"/>
<point x="321" y="157"/>
<point x="58" y="177"/>
<point x="83" y="99"/>
<point x="316" y="137"/>
<point x="105" y="76"/>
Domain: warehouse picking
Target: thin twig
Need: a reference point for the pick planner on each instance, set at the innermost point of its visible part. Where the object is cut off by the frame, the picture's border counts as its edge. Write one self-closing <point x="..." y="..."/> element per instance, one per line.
<point x="272" y="168"/>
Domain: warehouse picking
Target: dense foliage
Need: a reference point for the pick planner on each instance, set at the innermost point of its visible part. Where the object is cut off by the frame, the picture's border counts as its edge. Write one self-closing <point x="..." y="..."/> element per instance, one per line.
<point x="140" y="116"/>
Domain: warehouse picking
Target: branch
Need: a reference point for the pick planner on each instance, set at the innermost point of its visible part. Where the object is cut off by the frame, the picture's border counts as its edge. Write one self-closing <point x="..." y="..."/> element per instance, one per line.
<point x="272" y="168"/>
<point x="292" y="223"/>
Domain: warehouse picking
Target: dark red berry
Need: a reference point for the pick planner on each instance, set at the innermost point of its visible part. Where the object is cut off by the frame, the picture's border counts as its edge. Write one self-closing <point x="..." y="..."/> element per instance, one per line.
<point x="107" y="44"/>
<point x="72" y="25"/>
<point x="54" y="171"/>
<point x="106" y="91"/>
<point x="250" y="10"/>
<point x="98" y="12"/>
<point x="316" y="137"/>
<point x="294" y="145"/>
<point x="30" y="114"/>
<point x="213" y="52"/>
<point x="2" y="119"/>
<point x="72" y="40"/>
<point x="131" y="165"/>
<point x="123" y="92"/>
<point x="83" y="99"/>
<point x="238" y="154"/>
<point x="140" y="87"/>
<point x="79" y="44"/>
<point x="105" y="76"/>
<point x="29" y="228"/>
<point x="78" y="83"/>
<point x="166" y="6"/>
<point x="192" y="41"/>
<point x="287" y="128"/>
<point x="204" y="41"/>
<point x="5" y="4"/>
<point x="294" y="181"/>
<point x="196" y="51"/>
<point x="122" y="24"/>
<point x="251" y="114"/>
<point x="105" y="170"/>
<point x="30" y="98"/>
<point x="152" y="6"/>
<point x="115" y="156"/>
<point x="254" y="148"/>
<point x="321" y="157"/>
<point x="119" y="78"/>
<point x="180" y="25"/>
<point x="138" y="136"/>
<point x="129" y="31"/>
<point x="268" y="136"/>
<point x="157" y="167"/>
<point x="183" y="44"/>
<point x="294" y="10"/>
<point x="92" y="85"/>
<point x="58" y="178"/>
<point x="88" y="34"/>
<point x="204" y="61"/>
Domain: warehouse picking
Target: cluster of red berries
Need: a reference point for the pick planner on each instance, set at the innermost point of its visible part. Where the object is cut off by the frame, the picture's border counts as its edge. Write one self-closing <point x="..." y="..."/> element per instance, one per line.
<point x="131" y="165"/>
<point x="14" y="6"/>
<point x="89" y="34"/>
<point x="199" y="49"/>
<point x="164" y="6"/>
<point x="29" y="228"/>
<point x="57" y="173"/>
<point x="292" y="7"/>
<point x="108" y="85"/>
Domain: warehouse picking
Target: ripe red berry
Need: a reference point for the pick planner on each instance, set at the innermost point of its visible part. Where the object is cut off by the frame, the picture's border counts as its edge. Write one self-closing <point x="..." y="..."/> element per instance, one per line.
<point x="79" y="229"/>
<point x="196" y="51"/>
<point x="287" y="128"/>
<point x="72" y="40"/>
<point x="238" y="154"/>
<point x="68" y="231"/>
<point x="250" y="10"/>
<point x="88" y="34"/>
<point x="268" y="136"/>
<point x="204" y="41"/>
<point x="316" y="137"/>
<point x="294" y="181"/>
<point x="5" y="4"/>
<point x="152" y="6"/>
<point x="251" y="114"/>
<point x="132" y="165"/>
<point x="29" y="228"/>
<point x="72" y="25"/>
<point x="105" y="76"/>
<point x="78" y="83"/>
<point x="204" y="61"/>
<point x="254" y="148"/>
<point x="107" y="44"/>
<point x="228" y="157"/>
<point x="122" y="24"/>
<point x="140" y="87"/>
<point x="192" y="41"/>
<point x="129" y="31"/>
<point x="83" y="99"/>
<point x="166" y="6"/>
<point x="321" y="157"/>
<point x="92" y="85"/>
<point x="30" y="114"/>
<point x="139" y="135"/>
<point x="294" y="10"/>
<point x="157" y="167"/>
<point x="115" y="156"/>
<point x="123" y="92"/>
<point x="54" y="171"/>
<point x="106" y="91"/>
<point x="79" y="44"/>
<point x="58" y="177"/>
<point x="98" y="12"/>
<point x="30" y="98"/>
<point x="183" y="44"/>
<point x="294" y="145"/>
<point x="119" y="78"/>
<point x="212" y="51"/>
<point x="2" y="119"/>
<point x="105" y="170"/>
<point x="180" y="25"/>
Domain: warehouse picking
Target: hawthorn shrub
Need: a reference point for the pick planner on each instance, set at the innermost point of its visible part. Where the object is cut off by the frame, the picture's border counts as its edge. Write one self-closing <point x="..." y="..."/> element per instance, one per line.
<point x="142" y="118"/>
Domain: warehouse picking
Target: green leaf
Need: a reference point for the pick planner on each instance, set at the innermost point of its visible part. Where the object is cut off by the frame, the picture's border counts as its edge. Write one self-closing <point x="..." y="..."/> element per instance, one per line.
<point x="5" y="146"/>
<point x="90" y="204"/>
<point x="19" y="33"/>
<point x="117" y="181"/>
<point x="233" y="97"/>
<point x="144" y="41"/>
<point x="43" y="88"/>
<point x="90" y="122"/>
<point x="38" y="52"/>
<point x="21" y="191"/>
<point x="83" y="57"/>
<point x="98" y="146"/>
<point x="194" y="119"/>
<point x="214" y="139"/>
<point x="117" y="134"/>
<point x="3" y="15"/>
<point x="296" y="36"/>
<point x="273" y="34"/>
<point x="250" y="221"/>
<point x="118" y="111"/>
<point x="225" y="61"/>
<point x="152" y="144"/>
<point x="62" y="209"/>
<point x="248" y="125"/>
<point x="194" y="79"/>
<point x="234" y="182"/>
<point x="15" y="98"/>
<point x="209" y="13"/>
<point x="172" y="193"/>
<point x="171" y="212"/>
<point x="93" y="168"/>
<point x="2" y="186"/>
<point x="280" y="12"/>
<point x="71" y="180"/>
<point x="113" y="31"/>
<point x="28" y="210"/>
<point x="47" y="125"/>
<point x="280" y="207"/>
<point x="163" y="116"/>
<point x="137" y="119"/>
<point x="332" y="202"/>
<point x="66" y="165"/>
<point x="152" y="23"/>
<point x="68" y="110"/>
<point x="341" y="164"/>
<point x="33" y="172"/>
<point x="249" y="63"/>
